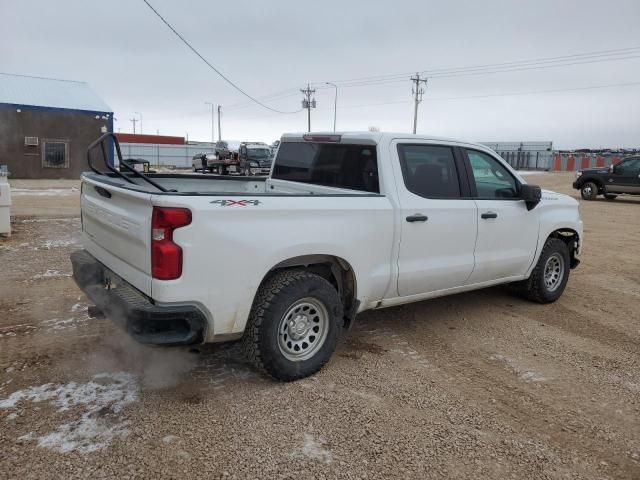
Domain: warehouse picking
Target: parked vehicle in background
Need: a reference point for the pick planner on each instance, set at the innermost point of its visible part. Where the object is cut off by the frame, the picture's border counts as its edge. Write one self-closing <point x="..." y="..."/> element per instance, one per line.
<point x="204" y="162"/>
<point x="222" y="150"/>
<point x="139" y="164"/>
<point x="346" y="222"/>
<point x="255" y="158"/>
<point x="622" y="178"/>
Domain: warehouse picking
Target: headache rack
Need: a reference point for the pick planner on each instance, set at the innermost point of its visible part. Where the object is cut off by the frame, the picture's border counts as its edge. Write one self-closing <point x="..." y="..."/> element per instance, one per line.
<point x="101" y="142"/>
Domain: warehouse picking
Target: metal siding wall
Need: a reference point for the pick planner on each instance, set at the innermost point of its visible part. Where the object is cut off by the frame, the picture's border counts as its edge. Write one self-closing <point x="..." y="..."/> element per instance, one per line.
<point x="569" y="162"/>
<point x="165" y="155"/>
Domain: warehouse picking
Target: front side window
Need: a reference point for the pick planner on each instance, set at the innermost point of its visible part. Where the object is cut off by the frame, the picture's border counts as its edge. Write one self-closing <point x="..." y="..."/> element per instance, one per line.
<point x="492" y="179"/>
<point x="55" y="154"/>
<point x="628" y="166"/>
<point x="429" y="171"/>
<point x="354" y="167"/>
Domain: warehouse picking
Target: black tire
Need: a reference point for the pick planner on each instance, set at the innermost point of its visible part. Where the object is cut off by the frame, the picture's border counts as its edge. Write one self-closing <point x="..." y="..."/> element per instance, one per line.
<point x="610" y="196"/>
<point x="536" y="288"/>
<point x="275" y="298"/>
<point x="589" y="191"/>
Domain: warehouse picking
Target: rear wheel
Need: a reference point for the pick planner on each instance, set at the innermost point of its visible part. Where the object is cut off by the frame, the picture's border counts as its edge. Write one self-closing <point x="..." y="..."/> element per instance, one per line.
<point x="549" y="278"/>
<point x="294" y="325"/>
<point x="589" y="191"/>
<point x="610" y="196"/>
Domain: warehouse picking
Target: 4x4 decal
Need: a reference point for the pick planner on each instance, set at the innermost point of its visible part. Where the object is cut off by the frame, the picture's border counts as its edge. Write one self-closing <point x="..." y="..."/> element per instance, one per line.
<point x="237" y="203"/>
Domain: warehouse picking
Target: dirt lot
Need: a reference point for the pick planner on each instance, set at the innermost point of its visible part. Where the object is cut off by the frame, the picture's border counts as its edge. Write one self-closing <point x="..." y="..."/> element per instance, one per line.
<point x="478" y="385"/>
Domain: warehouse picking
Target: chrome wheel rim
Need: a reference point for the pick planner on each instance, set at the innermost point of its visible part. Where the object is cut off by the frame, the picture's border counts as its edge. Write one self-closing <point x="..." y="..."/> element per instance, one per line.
<point x="553" y="272"/>
<point x="303" y="329"/>
<point x="586" y="191"/>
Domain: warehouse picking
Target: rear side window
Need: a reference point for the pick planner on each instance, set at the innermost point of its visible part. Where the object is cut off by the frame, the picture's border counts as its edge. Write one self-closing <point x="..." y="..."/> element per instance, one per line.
<point x="429" y="171"/>
<point x="333" y="165"/>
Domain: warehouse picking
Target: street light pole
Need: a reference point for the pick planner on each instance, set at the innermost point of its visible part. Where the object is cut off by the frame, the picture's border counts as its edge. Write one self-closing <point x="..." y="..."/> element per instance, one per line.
<point x="335" y="104"/>
<point x="138" y="113"/>
<point x="213" y="128"/>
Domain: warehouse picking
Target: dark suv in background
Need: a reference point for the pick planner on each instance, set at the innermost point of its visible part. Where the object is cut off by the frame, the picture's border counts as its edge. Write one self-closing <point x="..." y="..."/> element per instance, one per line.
<point x="623" y="178"/>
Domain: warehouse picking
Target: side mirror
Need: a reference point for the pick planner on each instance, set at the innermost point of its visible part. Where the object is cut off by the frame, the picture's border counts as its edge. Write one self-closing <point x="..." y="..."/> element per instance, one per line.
<point x="531" y="194"/>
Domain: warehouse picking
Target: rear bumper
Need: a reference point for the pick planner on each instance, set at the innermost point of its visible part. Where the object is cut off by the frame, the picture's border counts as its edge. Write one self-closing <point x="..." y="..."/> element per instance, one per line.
<point x="136" y="313"/>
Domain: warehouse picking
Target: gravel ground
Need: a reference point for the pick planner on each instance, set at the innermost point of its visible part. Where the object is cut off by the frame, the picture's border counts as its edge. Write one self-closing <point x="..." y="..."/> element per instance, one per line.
<point x="477" y="385"/>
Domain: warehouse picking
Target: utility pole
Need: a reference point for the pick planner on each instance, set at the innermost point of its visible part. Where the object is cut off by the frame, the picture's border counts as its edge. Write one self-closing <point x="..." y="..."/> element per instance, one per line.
<point x="134" y="120"/>
<point x="219" y="124"/>
<point x="213" y="128"/>
<point x="138" y="113"/>
<point x="417" y="92"/>
<point x="308" y="103"/>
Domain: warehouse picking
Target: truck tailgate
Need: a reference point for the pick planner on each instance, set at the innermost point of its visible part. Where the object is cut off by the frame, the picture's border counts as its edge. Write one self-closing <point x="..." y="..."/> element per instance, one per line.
<point x="116" y="225"/>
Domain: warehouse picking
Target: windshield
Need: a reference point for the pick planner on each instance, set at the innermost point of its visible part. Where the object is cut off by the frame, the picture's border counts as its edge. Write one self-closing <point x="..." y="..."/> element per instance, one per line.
<point x="258" y="153"/>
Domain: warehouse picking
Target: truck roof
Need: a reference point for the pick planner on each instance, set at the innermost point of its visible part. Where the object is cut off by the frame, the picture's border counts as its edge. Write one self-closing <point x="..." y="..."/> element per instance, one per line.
<point x="376" y="137"/>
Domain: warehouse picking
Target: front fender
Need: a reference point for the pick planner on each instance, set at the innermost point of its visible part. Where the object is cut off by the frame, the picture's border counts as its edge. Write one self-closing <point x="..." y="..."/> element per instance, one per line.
<point x="558" y="213"/>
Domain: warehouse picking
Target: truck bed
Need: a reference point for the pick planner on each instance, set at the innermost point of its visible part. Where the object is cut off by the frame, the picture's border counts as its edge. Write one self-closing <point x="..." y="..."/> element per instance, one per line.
<point x="199" y="184"/>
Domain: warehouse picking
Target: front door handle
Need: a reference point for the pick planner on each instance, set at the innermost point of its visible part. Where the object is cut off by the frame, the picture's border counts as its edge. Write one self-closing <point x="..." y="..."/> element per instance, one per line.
<point x="418" y="217"/>
<point x="489" y="215"/>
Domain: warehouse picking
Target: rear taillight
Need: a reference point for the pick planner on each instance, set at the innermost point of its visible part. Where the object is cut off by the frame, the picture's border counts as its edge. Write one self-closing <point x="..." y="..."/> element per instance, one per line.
<point x="166" y="256"/>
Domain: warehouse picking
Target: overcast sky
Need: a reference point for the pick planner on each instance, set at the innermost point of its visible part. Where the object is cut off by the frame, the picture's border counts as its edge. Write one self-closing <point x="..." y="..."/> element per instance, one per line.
<point x="136" y="64"/>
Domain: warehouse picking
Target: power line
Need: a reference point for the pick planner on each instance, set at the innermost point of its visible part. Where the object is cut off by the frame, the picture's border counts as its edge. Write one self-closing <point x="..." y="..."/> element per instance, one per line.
<point x="512" y="94"/>
<point x="517" y="65"/>
<point x="223" y="76"/>
<point x="543" y="60"/>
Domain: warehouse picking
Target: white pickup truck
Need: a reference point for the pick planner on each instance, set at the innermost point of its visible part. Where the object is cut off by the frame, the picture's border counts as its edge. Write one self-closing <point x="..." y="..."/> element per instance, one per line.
<point x="344" y="223"/>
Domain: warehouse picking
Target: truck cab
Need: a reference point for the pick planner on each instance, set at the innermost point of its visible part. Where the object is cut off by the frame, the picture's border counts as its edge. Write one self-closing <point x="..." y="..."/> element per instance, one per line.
<point x="255" y="158"/>
<point x="621" y="178"/>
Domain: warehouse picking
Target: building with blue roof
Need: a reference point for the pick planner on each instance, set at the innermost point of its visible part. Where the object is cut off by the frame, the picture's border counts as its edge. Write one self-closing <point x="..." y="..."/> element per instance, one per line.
<point x="47" y="124"/>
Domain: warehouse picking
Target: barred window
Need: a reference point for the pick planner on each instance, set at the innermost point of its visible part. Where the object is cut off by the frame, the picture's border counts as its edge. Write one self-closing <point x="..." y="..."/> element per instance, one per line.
<point x="55" y="154"/>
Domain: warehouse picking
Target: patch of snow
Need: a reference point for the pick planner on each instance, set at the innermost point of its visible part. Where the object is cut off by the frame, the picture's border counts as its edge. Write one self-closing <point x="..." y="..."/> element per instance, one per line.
<point x="12" y="416"/>
<point x="45" y="220"/>
<point x="51" y="274"/>
<point x="64" y="323"/>
<point x="105" y="395"/>
<point x="314" y="448"/>
<point x="525" y="375"/>
<point x="77" y="306"/>
<point x="170" y="439"/>
<point x="46" y="192"/>
<point x="49" y="244"/>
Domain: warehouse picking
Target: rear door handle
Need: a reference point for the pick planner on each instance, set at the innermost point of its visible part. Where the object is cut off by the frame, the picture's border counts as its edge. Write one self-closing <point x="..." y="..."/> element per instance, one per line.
<point x="418" y="217"/>
<point x="489" y="215"/>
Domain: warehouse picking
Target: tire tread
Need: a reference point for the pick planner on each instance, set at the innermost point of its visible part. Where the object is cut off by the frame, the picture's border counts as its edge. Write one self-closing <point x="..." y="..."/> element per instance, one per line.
<point x="265" y="298"/>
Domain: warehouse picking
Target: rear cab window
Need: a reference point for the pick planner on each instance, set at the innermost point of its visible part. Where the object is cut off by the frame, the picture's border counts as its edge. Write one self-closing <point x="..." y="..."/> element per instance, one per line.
<point x="349" y="166"/>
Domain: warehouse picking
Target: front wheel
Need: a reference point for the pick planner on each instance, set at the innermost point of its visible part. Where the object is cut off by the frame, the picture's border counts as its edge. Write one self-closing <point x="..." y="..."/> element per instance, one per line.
<point x="549" y="278"/>
<point x="589" y="191"/>
<point x="294" y="325"/>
